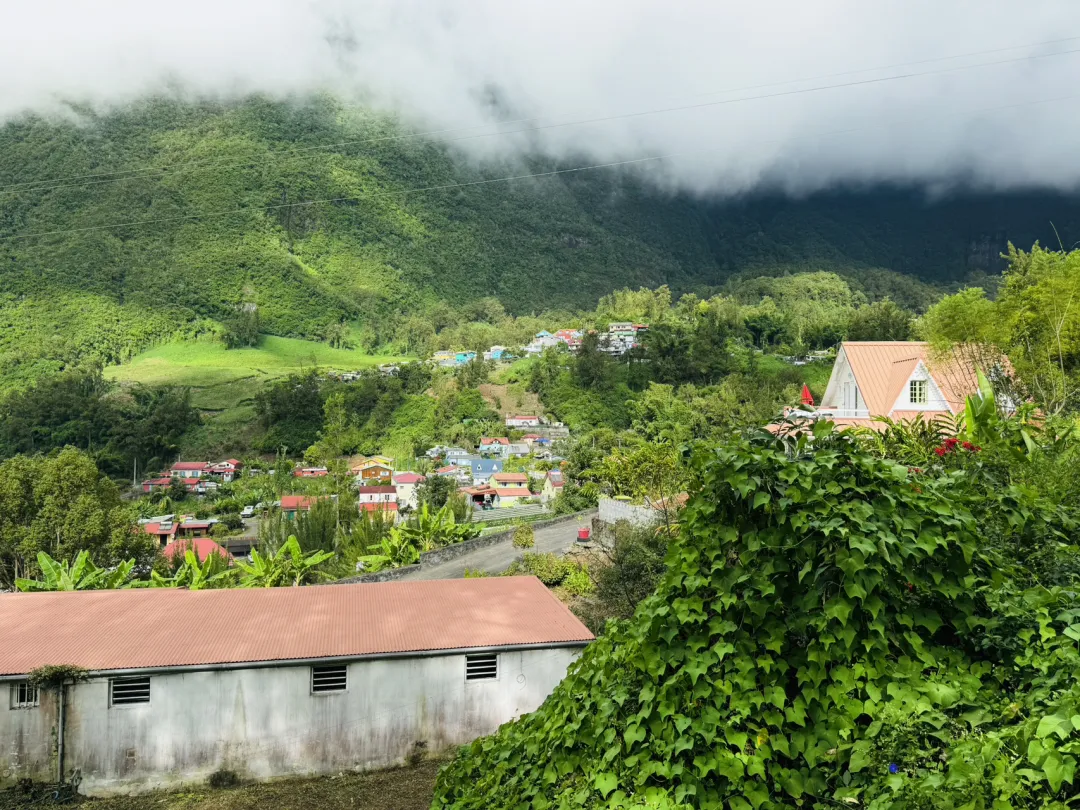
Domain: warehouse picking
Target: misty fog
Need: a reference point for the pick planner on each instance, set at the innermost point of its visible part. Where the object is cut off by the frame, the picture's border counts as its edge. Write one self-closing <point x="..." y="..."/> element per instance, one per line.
<point x="1003" y="114"/>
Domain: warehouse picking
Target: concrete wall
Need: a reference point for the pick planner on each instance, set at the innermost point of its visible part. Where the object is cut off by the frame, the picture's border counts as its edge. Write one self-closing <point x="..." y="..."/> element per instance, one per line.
<point x="264" y="722"/>
<point x="612" y="511"/>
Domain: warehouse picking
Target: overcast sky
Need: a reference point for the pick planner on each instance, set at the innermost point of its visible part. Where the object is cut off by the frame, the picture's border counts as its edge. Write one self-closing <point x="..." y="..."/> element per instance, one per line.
<point x="441" y="63"/>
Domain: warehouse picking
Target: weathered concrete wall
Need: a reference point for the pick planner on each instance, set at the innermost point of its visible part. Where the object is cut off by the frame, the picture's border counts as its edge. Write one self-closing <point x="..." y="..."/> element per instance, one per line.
<point x="27" y="744"/>
<point x="612" y="511"/>
<point x="265" y="722"/>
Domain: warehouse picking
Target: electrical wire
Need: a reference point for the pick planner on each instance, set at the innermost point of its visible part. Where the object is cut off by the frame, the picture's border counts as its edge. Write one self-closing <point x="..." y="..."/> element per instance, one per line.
<point x="466" y="184"/>
<point x="55" y="184"/>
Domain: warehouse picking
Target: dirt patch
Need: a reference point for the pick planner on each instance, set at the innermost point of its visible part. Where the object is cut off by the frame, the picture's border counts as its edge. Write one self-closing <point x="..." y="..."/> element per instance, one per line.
<point x="407" y="788"/>
<point x="507" y="399"/>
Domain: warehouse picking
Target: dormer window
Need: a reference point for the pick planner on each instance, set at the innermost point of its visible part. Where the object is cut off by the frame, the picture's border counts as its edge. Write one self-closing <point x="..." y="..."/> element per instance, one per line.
<point x="918" y="392"/>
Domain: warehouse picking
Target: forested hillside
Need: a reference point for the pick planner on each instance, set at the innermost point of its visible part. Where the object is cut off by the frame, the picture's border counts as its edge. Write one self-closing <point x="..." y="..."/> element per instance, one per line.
<point x="85" y="292"/>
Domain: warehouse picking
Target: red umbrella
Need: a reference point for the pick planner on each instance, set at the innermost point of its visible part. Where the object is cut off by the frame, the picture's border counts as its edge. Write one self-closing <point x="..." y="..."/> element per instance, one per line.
<point x="807" y="397"/>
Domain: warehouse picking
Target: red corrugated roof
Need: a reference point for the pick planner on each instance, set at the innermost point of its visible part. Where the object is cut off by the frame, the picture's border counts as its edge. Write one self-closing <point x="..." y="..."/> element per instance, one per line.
<point x="203" y="548"/>
<point x="511" y="478"/>
<point x="291" y="503"/>
<point x="408" y="478"/>
<point x="512" y="492"/>
<point x="379" y="506"/>
<point x="190" y="465"/>
<point x="494" y="440"/>
<point x="134" y="629"/>
<point x="378" y="490"/>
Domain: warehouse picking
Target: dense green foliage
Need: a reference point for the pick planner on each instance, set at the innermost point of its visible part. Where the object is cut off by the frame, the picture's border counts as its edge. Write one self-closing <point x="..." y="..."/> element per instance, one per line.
<point x="63" y="505"/>
<point x="234" y="191"/>
<point x="79" y="408"/>
<point x="833" y="628"/>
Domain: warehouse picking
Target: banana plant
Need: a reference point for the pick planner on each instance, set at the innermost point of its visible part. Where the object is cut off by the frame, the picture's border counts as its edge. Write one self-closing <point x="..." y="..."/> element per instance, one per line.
<point x="212" y="572"/>
<point x="289" y="566"/>
<point x="80" y="575"/>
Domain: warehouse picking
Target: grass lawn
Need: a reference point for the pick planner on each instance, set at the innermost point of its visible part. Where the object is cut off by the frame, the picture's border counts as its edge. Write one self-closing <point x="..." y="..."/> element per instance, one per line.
<point x="406" y="788"/>
<point x="815" y="374"/>
<point x="224" y="381"/>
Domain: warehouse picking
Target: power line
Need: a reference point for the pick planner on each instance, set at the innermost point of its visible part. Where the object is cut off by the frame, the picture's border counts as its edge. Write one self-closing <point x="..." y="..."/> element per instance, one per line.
<point x="466" y="184"/>
<point x="108" y="177"/>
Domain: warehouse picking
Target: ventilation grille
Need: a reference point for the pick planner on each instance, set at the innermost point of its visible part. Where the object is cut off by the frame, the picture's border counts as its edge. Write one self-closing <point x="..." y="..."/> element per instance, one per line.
<point x="481" y="666"/>
<point x="329" y="679"/>
<point x="125" y="691"/>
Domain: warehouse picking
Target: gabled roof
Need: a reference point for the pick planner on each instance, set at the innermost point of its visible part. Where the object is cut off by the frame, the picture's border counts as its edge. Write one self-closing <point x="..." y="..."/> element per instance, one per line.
<point x="137" y="629"/>
<point x="190" y="465"/>
<point x="555" y="477"/>
<point x="883" y="368"/>
<point x="494" y="440"/>
<point x="381" y="490"/>
<point x="449" y="469"/>
<point x="408" y="478"/>
<point x="291" y="503"/>
<point x="511" y="478"/>
<point x="512" y="492"/>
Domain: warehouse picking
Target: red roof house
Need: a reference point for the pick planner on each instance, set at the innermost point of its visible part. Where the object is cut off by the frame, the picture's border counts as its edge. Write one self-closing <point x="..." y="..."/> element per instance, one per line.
<point x="202" y="546"/>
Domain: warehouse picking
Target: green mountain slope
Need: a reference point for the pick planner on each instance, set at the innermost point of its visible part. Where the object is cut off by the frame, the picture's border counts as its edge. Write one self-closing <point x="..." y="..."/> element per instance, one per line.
<point x="213" y="190"/>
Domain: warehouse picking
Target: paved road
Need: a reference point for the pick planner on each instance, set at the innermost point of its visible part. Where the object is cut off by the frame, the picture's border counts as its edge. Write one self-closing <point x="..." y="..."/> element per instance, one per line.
<point x="557" y="539"/>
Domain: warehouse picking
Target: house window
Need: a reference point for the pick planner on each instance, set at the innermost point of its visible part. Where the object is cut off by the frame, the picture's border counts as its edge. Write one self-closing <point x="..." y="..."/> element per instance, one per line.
<point x="23" y="695"/>
<point x="126" y="691"/>
<point x="917" y="392"/>
<point x="329" y="679"/>
<point x="481" y="666"/>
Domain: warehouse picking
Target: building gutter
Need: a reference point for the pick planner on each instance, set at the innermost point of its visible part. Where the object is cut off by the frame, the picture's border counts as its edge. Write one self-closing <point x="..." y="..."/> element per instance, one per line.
<point x="304" y="662"/>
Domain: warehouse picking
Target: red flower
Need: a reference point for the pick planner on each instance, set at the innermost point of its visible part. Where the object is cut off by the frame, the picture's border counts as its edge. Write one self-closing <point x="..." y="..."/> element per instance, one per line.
<point x="940" y="451"/>
<point x="950" y="444"/>
<point x="911" y="586"/>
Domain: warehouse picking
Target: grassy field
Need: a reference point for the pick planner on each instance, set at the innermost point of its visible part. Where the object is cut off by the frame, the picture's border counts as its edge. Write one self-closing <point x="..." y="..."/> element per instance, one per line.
<point x="224" y="381"/>
<point x="406" y="788"/>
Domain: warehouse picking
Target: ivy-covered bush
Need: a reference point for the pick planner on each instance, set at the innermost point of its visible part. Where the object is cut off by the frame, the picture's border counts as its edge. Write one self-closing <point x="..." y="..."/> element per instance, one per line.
<point x="831" y="631"/>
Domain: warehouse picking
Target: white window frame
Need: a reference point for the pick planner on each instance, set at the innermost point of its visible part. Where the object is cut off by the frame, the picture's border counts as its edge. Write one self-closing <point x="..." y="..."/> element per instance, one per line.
<point x="329" y="671"/>
<point x="126" y="681"/>
<point x="919" y="392"/>
<point x="29" y="698"/>
<point x="481" y="667"/>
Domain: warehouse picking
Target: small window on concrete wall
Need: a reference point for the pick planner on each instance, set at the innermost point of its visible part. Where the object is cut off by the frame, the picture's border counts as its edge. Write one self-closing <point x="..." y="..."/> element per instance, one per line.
<point x="127" y="691"/>
<point x="481" y="666"/>
<point x="329" y="679"/>
<point x="917" y="391"/>
<point x="23" y="695"/>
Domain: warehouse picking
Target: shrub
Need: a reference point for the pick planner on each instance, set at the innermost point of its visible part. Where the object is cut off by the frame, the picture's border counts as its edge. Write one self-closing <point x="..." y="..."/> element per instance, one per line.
<point x="548" y="568"/>
<point x="524" y="536"/>
<point x="476" y="573"/>
<point x="578" y="582"/>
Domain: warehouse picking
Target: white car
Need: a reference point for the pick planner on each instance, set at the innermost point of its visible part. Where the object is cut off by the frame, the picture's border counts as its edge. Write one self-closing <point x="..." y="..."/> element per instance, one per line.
<point x="247" y="511"/>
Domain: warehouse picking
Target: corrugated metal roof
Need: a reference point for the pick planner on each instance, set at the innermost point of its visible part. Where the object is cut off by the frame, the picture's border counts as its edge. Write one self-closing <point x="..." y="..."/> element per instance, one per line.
<point x="875" y="367"/>
<point x="139" y="629"/>
<point x="202" y="546"/>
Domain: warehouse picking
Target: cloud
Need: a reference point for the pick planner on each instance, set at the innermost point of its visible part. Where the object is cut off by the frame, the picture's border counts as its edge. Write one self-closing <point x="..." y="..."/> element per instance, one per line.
<point x="448" y="64"/>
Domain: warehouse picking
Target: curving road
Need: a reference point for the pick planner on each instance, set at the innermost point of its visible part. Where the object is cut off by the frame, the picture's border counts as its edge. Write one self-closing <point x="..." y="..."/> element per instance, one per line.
<point x="557" y="539"/>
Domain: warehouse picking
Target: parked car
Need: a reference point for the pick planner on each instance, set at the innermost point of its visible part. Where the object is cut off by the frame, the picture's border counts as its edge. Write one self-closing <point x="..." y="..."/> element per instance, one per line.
<point x="247" y="511"/>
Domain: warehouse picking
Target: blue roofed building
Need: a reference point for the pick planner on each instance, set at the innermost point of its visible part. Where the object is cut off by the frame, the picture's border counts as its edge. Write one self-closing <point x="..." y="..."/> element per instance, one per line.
<point x="484" y="468"/>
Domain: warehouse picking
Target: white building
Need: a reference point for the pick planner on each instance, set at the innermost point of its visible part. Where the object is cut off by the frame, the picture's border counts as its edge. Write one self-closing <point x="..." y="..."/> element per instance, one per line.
<point x="406" y="484"/>
<point x="522" y="421"/>
<point x="349" y="678"/>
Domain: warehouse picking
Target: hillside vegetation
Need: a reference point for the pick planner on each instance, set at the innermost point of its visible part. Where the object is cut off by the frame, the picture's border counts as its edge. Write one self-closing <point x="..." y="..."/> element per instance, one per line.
<point x="87" y="293"/>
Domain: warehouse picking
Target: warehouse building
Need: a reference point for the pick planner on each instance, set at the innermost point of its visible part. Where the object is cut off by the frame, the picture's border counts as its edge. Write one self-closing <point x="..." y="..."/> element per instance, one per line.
<point x="271" y="682"/>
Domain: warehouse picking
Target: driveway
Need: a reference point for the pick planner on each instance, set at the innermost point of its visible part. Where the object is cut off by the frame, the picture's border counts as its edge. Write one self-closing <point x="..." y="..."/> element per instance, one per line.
<point x="557" y="539"/>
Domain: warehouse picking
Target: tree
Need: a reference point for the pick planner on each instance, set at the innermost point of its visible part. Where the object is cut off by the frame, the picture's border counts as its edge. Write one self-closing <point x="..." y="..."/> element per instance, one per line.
<point x="436" y="490"/>
<point x="241" y="329"/>
<point x="882" y="320"/>
<point x="62" y="504"/>
<point x="524" y="536"/>
<point x="592" y="368"/>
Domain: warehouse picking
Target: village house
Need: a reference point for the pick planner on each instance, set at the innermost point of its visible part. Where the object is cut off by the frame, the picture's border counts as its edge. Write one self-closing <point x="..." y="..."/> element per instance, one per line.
<point x="353" y="677"/>
<point x="553" y="485"/>
<point x="162" y="528"/>
<point x="520" y="421"/>
<point x="189" y="469"/>
<point x="894" y="379"/>
<point x="571" y="337"/>
<point x="496" y="353"/>
<point x="373" y="469"/>
<point x="511" y="496"/>
<point x="291" y="505"/>
<point x="378" y="498"/>
<point x="481" y="496"/>
<point x="518" y="450"/>
<point x="516" y="479"/>
<point x="494" y="447"/>
<point x="462" y="473"/>
<point x="310" y="472"/>
<point x="227" y="469"/>
<point x="542" y="340"/>
<point x="406" y="484"/>
<point x="484" y="468"/>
